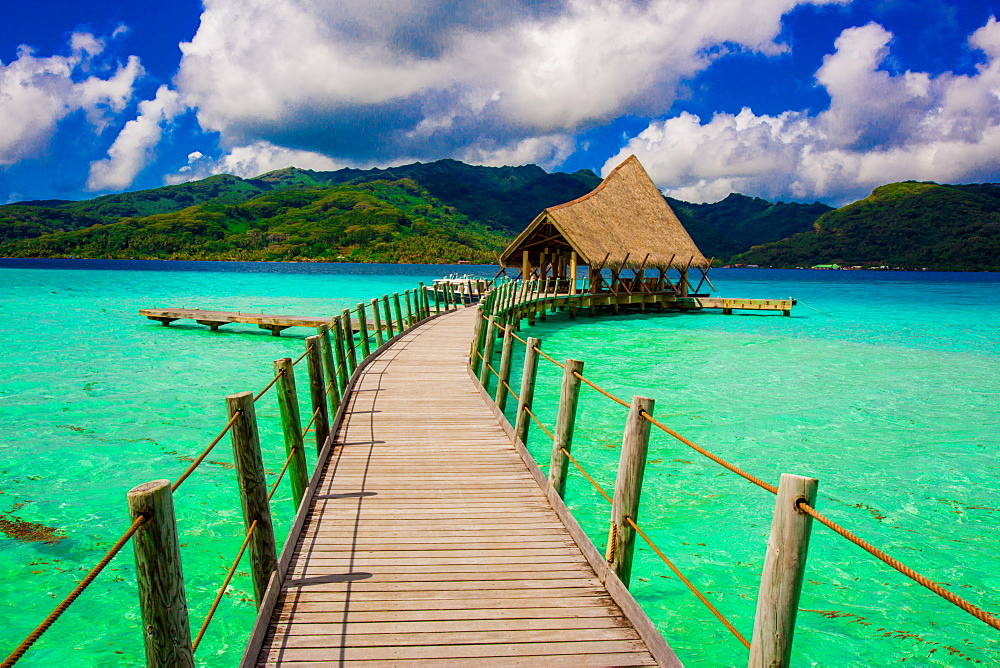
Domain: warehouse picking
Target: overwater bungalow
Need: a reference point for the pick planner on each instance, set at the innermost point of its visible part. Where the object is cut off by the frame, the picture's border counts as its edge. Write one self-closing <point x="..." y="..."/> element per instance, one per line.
<point x="626" y="239"/>
<point x="623" y="227"/>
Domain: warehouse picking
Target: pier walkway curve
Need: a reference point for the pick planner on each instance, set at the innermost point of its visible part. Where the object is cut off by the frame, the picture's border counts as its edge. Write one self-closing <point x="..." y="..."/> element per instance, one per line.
<point x="428" y="539"/>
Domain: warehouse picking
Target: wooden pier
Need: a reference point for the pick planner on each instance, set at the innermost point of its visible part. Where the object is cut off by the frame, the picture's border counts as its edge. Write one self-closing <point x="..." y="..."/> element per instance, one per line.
<point x="215" y="319"/>
<point x="428" y="540"/>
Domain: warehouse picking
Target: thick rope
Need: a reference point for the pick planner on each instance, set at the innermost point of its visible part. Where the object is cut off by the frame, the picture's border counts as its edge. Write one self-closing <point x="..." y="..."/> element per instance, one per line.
<point x="269" y="385"/>
<point x="288" y="460"/>
<point x="973" y="610"/>
<point x="201" y="457"/>
<point x="587" y="475"/>
<point x="306" y="430"/>
<point x="694" y="590"/>
<point x="222" y="589"/>
<point x="538" y="422"/>
<point x="509" y="390"/>
<point x="299" y="358"/>
<point x="558" y="364"/>
<point x="602" y="391"/>
<point x="68" y="601"/>
<point x="718" y="460"/>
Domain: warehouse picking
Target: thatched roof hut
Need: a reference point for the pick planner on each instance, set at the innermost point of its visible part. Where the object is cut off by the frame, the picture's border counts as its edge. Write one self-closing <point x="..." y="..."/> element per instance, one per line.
<point x="624" y="223"/>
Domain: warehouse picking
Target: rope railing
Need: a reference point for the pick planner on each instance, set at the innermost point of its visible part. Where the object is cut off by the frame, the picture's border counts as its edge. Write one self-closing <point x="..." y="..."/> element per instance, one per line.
<point x="204" y="453"/>
<point x="538" y="422"/>
<point x="963" y="604"/>
<point x="694" y="590"/>
<point x="271" y="384"/>
<point x="274" y="487"/>
<point x="954" y="599"/>
<point x="587" y="475"/>
<point x="510" y="390"/>
<point x="659" y="552"/>
<point x="311" y="421"/>
<point x="300" y="357"/>
<point x="27" y="643"/>
<point x="715" y="458"/>
<point x="222" y="589"/>
<point x="73" y="595"/>
<point x="601" y="390"/>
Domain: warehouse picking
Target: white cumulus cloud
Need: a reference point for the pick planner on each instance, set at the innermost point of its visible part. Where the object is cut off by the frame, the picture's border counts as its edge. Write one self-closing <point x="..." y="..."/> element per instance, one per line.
<point x="376" y="80"/>
<point x="133" y="147"/>
<point x="36" y="93"/>
<point x="880" y="127"/>
<point x="250" y="161"/>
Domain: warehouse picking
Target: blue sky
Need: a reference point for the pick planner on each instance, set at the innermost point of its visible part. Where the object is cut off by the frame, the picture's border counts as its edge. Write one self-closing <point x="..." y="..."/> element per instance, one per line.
<point x="781" y="99"/>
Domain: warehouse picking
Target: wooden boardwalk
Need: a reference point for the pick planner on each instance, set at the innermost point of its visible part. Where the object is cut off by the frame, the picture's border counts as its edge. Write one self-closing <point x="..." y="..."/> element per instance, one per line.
<point x="429" y="541"/>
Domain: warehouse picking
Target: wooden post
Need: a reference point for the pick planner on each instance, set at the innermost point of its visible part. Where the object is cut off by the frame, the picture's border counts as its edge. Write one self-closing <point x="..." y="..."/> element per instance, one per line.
<point x="569" y="396"/>
<point x="390" y="332"/>
<point x="379" y="337"/>
<point x="409" y="309"/>
<point x="425" y="305"/>
<point x="333" y="389"/>
<point x="366" y="349"/>
<point x="352" y="356"/>
<point x="399" y="312"/>
<point x="527" y="390"/>
<point x="784" y="567"/>
<point x="506" y="359"/>
<point x="572" y="273"/>
<point x="488" y="341"/>
<point x="291" y="426"/>
<point x="437" y="300"/>
<point x="317" y="391"/>
<point x="477" y="329"/>
<point x="253" y="490"/>
<point x="166" y="629"/>
<point x="628" y="487"/>
<point x="341" y="372"/>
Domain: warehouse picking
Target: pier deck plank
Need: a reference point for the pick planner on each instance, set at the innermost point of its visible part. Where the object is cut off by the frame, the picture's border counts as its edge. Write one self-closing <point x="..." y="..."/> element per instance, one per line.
<point x="428" y="541"/>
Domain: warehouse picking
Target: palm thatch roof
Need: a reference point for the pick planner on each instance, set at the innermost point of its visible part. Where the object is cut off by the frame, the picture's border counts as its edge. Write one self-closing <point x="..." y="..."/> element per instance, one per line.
<point x="625" y="220"/>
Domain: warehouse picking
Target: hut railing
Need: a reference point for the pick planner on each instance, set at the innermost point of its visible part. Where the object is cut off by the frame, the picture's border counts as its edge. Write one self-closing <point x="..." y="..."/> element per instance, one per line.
<point x="500" y="312"/>
<point x="333" y="364"/>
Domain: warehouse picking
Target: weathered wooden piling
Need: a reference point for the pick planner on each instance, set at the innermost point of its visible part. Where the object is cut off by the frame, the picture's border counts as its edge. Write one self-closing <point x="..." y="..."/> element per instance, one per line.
<point x="352" y="356"/>
<point x="784" y="568"/>
<point x="363" y="331"/>
<point x="527" y="390"/>
<point x="253" y="490"/>
<point x="162" y="602"/>
<point x="506" y="361"/>
<point x="399" y="312"/>
<point x="317" y="392"/>
<point x="488" y="340"/>
<point x="390" y="330"/>
<point x="569" y="396"/>
<point x="377" y="319"/>
<point x="329" y="368"/>
<point x="409" y="309"/>
<point x="628" y="487"/>
<point x="341" y="372"/>
<point x="291" y="427"/>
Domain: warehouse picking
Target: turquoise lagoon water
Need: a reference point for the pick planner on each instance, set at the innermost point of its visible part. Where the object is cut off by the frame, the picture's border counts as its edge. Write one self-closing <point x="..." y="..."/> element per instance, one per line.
<point x="887" y="393"/>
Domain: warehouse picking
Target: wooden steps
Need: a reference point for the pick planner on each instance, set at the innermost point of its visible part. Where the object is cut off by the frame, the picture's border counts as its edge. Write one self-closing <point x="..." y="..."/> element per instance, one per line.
<point x="429" y="542"/>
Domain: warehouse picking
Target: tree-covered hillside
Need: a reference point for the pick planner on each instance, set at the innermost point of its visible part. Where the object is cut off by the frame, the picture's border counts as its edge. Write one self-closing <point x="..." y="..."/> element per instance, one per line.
<point x="722" y="229"/>
<point x="909" y="225"/>
<point x="379" y="221"/>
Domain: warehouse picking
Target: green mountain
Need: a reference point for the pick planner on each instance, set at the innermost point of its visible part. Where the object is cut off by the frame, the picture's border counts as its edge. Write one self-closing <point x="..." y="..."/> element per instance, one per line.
<point x="379" y="221"/>
<point x="723" y="229"/>
<point x="909" y="225"/>
<point x="464" y="211"/>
